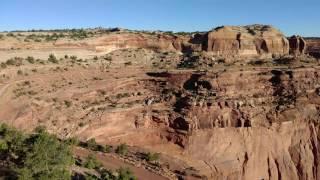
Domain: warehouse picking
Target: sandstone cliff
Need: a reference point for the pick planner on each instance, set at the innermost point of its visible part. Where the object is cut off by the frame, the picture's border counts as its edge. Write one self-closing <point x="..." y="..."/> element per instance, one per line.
<point x="297" y="45"/>
<point x="253" y="41"/>
<point x="227" y="41"/>
<point x="247" y="41"/>
<point x="313" y="47"/>
<point x="249" y="125"/>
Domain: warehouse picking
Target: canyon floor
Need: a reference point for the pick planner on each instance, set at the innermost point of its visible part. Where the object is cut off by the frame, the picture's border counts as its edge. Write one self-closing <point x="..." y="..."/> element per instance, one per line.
<point x="209" y="118"/>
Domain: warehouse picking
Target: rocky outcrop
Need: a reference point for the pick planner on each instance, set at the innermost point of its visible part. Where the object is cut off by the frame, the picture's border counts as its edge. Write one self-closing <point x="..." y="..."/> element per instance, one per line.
<point x="227" y="41"/>
<point x="313" y="47"/>
<point x="297" y="45"/>
<point x="253" y="40"/>
<point x="249" y="125"/>
<point x="256" y="41"/>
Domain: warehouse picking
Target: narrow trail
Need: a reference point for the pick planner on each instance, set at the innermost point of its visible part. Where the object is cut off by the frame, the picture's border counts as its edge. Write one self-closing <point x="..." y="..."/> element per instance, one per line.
<point x="3" y="89"/>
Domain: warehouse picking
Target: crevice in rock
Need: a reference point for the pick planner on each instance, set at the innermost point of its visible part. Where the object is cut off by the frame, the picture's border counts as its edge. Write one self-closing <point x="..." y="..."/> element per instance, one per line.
<point x="278" y="169"/>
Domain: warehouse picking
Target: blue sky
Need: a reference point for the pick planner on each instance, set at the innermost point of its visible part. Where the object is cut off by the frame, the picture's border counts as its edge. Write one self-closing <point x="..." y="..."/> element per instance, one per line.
<point x="291" y="16"/>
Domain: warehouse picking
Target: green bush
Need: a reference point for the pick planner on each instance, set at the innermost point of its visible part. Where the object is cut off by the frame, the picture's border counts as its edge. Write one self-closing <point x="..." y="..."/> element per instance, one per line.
<point x="122" y="149"/>
<point x="36" y="156"/>
<point x="125" y="174"/>
<point x="92" y="144"/>
<point x="151" y="157"/>
<point x="48" y="158"/>
<point x="72" y="141"/>
<point x="108" y="149"/>
<point x="91" y="162"/>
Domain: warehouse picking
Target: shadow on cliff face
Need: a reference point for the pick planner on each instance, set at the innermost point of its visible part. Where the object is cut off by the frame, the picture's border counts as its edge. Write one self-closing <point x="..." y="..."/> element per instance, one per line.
<point x="158" y="74"/>
<point x="284" y="90"/>
<point x="180" y="123"/>
<point x="194" y="83"/>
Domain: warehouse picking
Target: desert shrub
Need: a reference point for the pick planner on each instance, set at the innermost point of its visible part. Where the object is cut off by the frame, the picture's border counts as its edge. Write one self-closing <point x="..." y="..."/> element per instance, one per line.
<point x="94" y="58"/>
<point x="150" y="157"/>
<point x="72" y="141"/>
<point x="68" y="103"/>
<point x="91" y="162"/>
<point x="10" y="34"/>
<point x="1" y="36"/>
<point x="122" y="149"/>
<point x="3" y="65"/>
<point x="78" y="34"/>
<point x="30" y="59"/>
<point x="81" y="124"/>
<point x="107" y="149"/>
<point x="53" y="59"/>
<point x="125" y="174"/>
<point x="66" y="56"/>
<point x="92" y="144"/>
<point x="10" y="62"/>
<point x="19" y="72"/>
<point x="16" y="61"/>
<point x="73" y="58"/>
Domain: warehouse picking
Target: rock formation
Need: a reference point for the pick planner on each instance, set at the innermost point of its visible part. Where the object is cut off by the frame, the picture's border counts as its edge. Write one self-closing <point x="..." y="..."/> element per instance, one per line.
<point x="256" y="41"/>
<point x="313" y="47"/>
<point x="297" y="45"/>
<point x="249" y="125"/>
<point x="253" y="40"/>
<point x="226" y="41"/>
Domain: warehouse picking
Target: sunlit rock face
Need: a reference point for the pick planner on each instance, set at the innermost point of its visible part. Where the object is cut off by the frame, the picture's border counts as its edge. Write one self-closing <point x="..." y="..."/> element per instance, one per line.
<point x="252" y="40"/>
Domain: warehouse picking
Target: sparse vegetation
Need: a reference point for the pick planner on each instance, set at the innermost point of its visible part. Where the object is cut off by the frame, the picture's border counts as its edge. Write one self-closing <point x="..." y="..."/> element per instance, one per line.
<point x="68" y="103"/>
<point x="10" y="34"/>
<point x="19" y="72"/>
<point x="91" y="162"/>
<point x="125" y="174"/>
<point x="30" y="59"/>
<point x="92" y="144"/>
<point x="43" y="156"/>
<point x="74" y="58"/>
<point x="122" y="149"/>
<point x="152" y="157"/>
<point x="52" y="58"/>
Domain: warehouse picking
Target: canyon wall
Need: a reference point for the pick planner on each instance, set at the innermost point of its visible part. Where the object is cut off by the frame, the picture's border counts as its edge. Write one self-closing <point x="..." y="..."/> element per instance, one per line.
<point x="313" y="47"/>
<point x="253" y="41"/>
<point x="261" y="124"/>
<point x="227" y="41"/>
